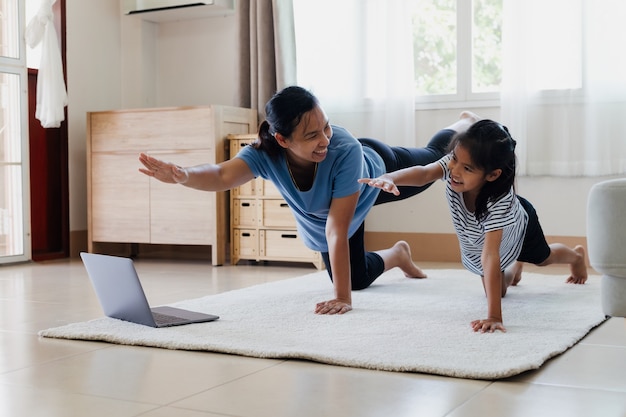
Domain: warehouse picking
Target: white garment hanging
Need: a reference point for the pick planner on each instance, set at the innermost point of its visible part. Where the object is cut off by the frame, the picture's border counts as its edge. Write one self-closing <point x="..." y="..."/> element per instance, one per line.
<point x="51" y="92"/>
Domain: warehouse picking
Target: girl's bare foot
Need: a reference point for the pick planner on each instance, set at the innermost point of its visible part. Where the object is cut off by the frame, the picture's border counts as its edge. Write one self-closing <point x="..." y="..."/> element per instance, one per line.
<point x="578" y="269"/>
<point x="400" y="255"/>
<point x="513" y="274"/>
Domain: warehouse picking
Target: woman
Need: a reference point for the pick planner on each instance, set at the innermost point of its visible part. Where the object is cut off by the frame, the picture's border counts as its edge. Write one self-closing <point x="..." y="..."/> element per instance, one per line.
<point x="316" y="167"/>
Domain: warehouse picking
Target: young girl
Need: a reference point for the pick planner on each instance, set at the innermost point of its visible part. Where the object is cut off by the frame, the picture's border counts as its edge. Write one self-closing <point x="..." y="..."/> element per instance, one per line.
<point x="497" y="229"/>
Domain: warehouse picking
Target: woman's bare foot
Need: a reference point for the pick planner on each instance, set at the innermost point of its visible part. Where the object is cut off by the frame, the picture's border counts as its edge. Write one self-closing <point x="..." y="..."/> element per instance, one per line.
<point x="400" y="255"/>
<point x="466" y="114"/>
<point x="578" y="269"/>
<point x="466" y="119"/>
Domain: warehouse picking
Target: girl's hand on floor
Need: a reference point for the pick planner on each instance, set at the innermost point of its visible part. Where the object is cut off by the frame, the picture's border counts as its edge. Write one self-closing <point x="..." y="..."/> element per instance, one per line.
<point x="488" y="326"/>
<point x="332" y="307"/>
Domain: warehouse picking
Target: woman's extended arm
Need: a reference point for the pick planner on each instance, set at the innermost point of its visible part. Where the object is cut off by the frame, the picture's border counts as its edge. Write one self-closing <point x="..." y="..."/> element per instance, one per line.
<point x="205" y="177"/>
<point x="339" y="217"/>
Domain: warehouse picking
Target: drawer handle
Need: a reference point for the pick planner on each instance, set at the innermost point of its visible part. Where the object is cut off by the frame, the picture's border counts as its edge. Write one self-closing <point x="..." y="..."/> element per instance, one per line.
<point x="284" y="205"/>
<point x="289" y="236"/>
<point x="245" y="234"/>
<point x="245" y="204"/>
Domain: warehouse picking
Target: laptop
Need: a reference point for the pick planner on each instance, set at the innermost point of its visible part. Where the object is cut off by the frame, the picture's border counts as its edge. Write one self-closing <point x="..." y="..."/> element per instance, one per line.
<point x="121" y="295"/>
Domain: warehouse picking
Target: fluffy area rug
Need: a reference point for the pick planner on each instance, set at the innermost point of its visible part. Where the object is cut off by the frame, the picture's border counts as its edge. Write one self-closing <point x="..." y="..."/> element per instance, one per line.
<point x="398" y="324"/>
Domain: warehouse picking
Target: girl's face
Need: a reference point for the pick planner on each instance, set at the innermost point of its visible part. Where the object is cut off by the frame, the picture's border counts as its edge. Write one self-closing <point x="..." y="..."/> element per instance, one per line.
<point x="465" y="177"/>
<point x="309" y="140"/>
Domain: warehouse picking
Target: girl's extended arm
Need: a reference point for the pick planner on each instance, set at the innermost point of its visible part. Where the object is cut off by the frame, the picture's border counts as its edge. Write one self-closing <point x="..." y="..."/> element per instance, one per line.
<point x="337" y="224"/>
<point x="492" y="281"/>
<point x="417" y="175"/>
<point x="205" y="177"/>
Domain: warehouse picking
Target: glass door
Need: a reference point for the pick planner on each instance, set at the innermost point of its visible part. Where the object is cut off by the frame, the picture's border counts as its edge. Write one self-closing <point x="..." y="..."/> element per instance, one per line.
<point x="14" y="201"/>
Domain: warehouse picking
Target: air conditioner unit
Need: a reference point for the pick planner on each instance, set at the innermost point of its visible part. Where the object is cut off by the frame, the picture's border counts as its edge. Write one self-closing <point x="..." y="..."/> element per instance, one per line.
<point x="168" y="10"/>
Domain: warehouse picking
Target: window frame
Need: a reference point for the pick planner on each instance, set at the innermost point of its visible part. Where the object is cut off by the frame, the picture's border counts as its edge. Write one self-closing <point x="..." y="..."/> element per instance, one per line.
<point x="17" y="66"/>
<point x="464" y="97"/>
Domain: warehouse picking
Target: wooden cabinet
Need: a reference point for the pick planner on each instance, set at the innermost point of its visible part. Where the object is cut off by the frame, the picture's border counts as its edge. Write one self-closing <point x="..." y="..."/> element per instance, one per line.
<point x="262" y="225"/>
<point x="125" y="206"/>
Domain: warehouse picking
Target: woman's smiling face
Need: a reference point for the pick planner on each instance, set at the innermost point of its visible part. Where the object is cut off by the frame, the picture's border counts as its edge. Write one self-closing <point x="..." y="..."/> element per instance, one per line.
<point x="309" y="140"/>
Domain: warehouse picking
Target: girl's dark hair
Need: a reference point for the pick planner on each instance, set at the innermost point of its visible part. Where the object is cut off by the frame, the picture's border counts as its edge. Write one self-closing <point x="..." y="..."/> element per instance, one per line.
<point x="491" y="147"/>
<point x="283" y="113"/>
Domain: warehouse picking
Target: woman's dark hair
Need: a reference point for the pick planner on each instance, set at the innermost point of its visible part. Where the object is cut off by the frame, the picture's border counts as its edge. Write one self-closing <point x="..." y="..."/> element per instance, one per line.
<point x="283" y="113"/>
<point x="491" y="147"/>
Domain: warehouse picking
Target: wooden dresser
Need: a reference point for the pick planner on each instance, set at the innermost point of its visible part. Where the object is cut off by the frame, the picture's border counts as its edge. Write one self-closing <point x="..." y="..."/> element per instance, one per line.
<point x="125" y="206"/>
<point x="262" y="225"/>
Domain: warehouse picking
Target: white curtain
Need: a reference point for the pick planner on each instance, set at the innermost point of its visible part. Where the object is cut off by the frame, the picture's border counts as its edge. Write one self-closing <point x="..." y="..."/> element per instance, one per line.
<point x="356" y="56"/>
<point x="564" y="85"/>
<point x="51" y="91"/>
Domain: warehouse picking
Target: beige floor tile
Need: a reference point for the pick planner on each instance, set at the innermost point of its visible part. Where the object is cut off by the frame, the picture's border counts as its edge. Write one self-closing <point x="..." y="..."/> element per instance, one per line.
<point x="610" y="333"/>
<point x="302" y="389"/>
<point x="18" y="401"/>
<point x="21" y="350"/>
<point x="150" y="375"/>
<point x="180" y="412"/>
<point x="596" y="367"/>
<point x="522" y="400"/>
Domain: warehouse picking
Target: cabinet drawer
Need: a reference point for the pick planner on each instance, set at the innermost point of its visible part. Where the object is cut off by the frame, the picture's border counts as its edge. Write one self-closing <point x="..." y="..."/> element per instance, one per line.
<point x="238" y="144"/>
<point x="244" y="212"/>
<point x="250" y="189"/>
<point x="276" y="213"/>
<point x="245" y="243"/>
<point x="282" y="244"/>
<point x="268" y="189"/>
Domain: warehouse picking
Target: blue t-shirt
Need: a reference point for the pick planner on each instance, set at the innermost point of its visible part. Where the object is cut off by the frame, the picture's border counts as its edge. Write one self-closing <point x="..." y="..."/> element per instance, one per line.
<point x="337" y="175"/>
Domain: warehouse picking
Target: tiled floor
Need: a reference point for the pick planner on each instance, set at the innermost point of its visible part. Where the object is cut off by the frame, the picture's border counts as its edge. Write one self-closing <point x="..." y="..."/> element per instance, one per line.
<point x="49" y="377"/>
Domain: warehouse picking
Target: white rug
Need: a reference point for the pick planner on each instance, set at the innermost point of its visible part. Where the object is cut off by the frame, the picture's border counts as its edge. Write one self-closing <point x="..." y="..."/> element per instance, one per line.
<point x="398" y="324"/>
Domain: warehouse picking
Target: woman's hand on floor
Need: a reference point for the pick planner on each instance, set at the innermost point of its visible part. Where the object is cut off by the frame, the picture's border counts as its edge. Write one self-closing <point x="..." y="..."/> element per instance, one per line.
<point x="332" y="307"/>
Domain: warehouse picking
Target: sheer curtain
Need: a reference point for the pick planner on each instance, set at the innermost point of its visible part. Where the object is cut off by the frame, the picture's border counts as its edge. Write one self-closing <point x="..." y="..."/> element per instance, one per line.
<point x="357" y="58"/>
<point x="564" y="85"/>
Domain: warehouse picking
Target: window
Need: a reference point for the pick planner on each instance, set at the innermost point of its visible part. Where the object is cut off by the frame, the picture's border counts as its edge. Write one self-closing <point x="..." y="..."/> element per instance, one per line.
<point x="14" y="241"/>
<point x="457" y="47"/>
<point x="452" y="48"/>
<point x="457" y="50"/>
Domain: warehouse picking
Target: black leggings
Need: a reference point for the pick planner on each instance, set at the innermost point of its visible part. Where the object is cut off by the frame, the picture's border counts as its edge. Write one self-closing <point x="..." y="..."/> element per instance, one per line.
<point x="365" y="266"/>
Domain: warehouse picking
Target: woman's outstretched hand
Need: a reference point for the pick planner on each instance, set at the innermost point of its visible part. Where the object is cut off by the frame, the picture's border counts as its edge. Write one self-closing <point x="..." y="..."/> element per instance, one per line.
<point x="332" y="307"/>
<point x="163" y="171"/>
<point x="383" y="183"/>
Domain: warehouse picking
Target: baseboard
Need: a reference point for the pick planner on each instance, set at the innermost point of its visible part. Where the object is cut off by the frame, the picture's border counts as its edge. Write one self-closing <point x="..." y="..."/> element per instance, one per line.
<point x="78" y="243"/>
<point x="435" y="247"/>
<point x="441" y="247"/>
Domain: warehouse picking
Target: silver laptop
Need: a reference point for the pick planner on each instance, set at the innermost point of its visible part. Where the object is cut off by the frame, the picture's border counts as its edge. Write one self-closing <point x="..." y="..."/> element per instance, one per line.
<point x="121" y="296"/>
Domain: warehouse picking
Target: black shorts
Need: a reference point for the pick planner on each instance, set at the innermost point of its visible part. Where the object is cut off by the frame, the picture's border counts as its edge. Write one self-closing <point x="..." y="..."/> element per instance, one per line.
<point x="535" y="249"/>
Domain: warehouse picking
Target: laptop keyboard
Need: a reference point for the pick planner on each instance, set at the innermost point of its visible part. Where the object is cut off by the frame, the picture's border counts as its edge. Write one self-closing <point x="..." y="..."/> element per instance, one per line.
<point x="166" y="319"/>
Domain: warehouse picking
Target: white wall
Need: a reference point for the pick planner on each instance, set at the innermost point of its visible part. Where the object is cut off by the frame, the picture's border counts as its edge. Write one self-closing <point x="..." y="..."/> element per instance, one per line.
<point x="116" y="61"/>
<point x="119" y="61"/>
<point x="94" y="83"/>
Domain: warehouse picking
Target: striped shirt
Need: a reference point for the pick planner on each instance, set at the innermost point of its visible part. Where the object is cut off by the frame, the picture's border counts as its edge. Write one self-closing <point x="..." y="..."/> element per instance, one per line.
<point x="505" y="213"/>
